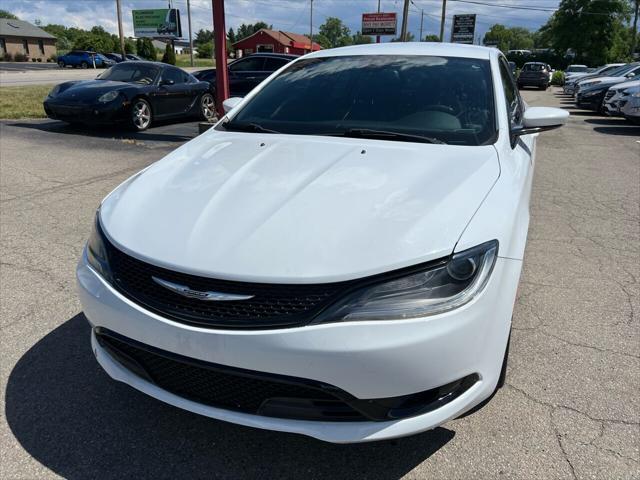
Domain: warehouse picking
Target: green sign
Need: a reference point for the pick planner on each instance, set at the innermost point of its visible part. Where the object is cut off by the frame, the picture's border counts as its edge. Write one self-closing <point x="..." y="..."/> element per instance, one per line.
<point x="158" y="23"/>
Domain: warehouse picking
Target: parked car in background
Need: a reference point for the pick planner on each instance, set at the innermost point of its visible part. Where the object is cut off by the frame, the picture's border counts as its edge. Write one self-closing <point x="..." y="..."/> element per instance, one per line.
<point x="631" y="109"/>
<point x="135" y="58"/>
<point x="339" y="257"/>
<point x="590" y="93"/>
<point x="535" y="74"/>
<point x="135" y="93"/>
<point x="576" y="69"/>
<point x="247" y="72"/>
<point x="84" y="59"/>
<point x="116" y="57"/>
<point x="618" y="95"/>
<point x="571" y="80"/>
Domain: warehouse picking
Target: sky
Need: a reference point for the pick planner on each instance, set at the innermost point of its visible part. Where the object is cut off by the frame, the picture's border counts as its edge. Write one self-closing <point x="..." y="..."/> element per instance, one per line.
<point x="288" y="15"/>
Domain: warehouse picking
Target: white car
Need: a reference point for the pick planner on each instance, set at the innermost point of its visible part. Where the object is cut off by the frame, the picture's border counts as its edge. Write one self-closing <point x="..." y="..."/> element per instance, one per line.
<point x="618" y="95"/>
<point x="631" y="107"/>
<point x="338" y="257"/>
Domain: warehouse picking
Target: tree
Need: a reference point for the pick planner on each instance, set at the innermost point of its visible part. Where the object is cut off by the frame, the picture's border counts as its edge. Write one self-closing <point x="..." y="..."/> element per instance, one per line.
<point x="245" y="31"/>
<point x="231" y="37"/>
<point x="333" y="33"/>
<point x="129" y="46"/>
<point x="203" y="36"/>
<point x="145" y="48"/>
<point x="169" y="55"/>
<point x="6" y="14"/>
<point x="432" y="38"/>
<point x="359" y="39"/>
<point x="593" y="30"/>
<point x="205" y="50"/>
<point x="515" y="38"/>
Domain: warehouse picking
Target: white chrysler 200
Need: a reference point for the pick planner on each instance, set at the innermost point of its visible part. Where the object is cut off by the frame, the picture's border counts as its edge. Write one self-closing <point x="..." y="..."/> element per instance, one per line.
<point x="338" y="257"/>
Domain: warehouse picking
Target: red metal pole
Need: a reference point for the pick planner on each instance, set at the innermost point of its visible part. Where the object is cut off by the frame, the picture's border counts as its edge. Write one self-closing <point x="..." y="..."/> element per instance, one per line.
<point x="220" y="41"/>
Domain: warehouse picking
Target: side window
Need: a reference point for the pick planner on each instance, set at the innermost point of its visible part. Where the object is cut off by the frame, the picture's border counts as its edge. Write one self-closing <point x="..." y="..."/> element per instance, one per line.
<point x="173" y="74"/>
<point x="273" y="64"/>
<point x="251" y="64"/>
<point x="511" y="94"/>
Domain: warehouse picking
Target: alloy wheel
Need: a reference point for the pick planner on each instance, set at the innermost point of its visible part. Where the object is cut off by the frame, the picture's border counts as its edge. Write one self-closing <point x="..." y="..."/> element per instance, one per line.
<point x="141" y="115"/>
<point x="208" y="106"/>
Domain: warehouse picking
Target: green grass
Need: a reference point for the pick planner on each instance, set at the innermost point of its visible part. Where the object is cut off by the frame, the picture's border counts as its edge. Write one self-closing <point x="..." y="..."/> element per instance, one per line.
<point x="185" y="61"/>
<point x="23" y="101"/>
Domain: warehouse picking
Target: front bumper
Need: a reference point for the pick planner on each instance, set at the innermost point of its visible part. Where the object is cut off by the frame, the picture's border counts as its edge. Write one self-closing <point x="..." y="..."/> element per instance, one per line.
<point x="95" y="114"/>
<point x="590" y="102"/>
<point x="368" y="360"/>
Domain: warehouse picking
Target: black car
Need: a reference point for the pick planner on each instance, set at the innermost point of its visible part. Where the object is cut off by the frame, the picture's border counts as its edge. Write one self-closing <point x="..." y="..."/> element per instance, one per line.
<point x="247" y="72"/>
<point x="535" y="74"/>
<point x="136" y="93"/>
<point x="116" y="57"/>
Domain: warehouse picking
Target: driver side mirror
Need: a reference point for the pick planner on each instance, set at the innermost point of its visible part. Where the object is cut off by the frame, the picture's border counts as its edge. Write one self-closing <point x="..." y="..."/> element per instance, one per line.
<point x="230" y="103"/>
<point x="630" y="75"/>
<point x="167" y="81"/>
<point x="541" y="119"/>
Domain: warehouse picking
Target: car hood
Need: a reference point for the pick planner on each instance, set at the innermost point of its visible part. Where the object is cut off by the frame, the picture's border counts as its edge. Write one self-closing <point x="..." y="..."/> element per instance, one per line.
<point x="89" y="89"/>
<point x="298" y="209"/>
<point x="604" y="81"/>
<point x="625" y="85"/>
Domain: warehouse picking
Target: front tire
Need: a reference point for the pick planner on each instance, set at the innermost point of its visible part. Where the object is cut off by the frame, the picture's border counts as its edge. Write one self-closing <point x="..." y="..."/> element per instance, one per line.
<point x="61" y="64"/>
<point x="84" y="65"/>
<point x="207" y="107"/>
<point x="141" y="115"/>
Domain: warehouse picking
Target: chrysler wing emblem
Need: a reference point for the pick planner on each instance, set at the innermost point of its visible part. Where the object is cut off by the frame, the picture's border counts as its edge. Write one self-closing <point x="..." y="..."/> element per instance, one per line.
<point x="205" y="296"/>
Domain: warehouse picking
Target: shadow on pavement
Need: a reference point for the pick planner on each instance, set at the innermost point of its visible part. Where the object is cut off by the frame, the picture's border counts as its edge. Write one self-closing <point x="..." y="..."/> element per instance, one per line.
<point x="627" y="130"/>
<point x="160" y="132"/>
<point x="71" y="417"/>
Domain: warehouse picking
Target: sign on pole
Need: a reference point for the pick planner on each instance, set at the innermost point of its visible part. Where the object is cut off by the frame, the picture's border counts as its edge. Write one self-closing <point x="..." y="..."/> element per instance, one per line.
<point x="158" y="23"/>
<point x="464" y="27"/>
<point x="379" y="23"/>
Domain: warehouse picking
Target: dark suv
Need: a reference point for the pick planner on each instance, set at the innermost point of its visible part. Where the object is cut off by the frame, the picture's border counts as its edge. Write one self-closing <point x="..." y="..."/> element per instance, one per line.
<point x="535" y="74"/>
<point x="247" y="72"/>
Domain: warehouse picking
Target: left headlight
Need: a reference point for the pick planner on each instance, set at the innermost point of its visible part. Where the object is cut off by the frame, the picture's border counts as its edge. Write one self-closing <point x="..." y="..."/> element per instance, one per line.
<point x="109" y="96"/>
<point x="447" y="285"/>
<point x="97" y="250"/>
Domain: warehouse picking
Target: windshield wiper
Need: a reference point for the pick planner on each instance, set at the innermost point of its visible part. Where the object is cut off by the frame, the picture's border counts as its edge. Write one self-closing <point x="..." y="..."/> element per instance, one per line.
<point x="385" y="134"/>
<point x="247" y="127"/>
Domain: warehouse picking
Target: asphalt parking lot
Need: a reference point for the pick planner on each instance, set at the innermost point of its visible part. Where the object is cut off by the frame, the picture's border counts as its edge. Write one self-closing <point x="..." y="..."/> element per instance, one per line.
<point x="570" y="408"/>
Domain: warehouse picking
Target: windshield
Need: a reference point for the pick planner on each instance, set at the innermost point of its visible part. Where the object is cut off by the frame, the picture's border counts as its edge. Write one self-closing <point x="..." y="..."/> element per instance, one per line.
<point x="440" y="98"/>
<point x="123" y="72"/>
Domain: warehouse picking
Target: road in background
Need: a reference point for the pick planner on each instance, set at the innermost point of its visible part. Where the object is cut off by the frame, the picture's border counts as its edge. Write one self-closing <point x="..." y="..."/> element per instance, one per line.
<point x="51" y="74"/>
<point x="570" y="408"/>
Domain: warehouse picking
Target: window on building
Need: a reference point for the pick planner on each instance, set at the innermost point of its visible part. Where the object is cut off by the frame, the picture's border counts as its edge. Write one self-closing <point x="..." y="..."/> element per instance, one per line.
<point x="265" y="48"/>
<point x="25" y="46"/>
<point x="41" y="46"/>
<point x="3" y="46"/>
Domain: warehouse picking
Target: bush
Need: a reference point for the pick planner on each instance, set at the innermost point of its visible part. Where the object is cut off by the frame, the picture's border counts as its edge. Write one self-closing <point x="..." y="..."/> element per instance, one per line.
<point x="205" y="50"/>
<point x="557" y="78"/>
<point x="53" y="58"/>
<point x="169" y="55"/>
<point x="34" y="60"/>
<point x="20" y="57"/>
<point x="39" y="59"/>
<point x="7" y="57"/>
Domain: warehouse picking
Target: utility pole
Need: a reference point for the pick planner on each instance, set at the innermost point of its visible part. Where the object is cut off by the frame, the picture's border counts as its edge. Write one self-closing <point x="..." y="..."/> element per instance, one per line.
<point x="220" y="43"/>
<point x="190" y="35"/>
<point x="122" y="50"/>
<point x="405" y="21"/>
<point x="311" y="28"/>
<point x="421" y="23"/>
<point x="378" y="36"/>
<point x="444" y="15"/>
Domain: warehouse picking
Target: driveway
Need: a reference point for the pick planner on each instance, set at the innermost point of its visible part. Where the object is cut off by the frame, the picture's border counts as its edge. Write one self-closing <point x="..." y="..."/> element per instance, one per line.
<point x="570" y="408"/>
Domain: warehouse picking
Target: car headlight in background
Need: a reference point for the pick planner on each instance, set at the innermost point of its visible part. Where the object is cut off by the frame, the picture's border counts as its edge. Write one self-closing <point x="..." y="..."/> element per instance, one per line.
<point x="54" y="91"/>
<point x="97" y="251"/>
<point x="109" y="96"/>
<point x="444" y="287"/>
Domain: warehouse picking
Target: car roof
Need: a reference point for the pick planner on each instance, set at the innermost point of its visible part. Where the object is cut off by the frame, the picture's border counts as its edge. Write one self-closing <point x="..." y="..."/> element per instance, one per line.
<point x="410" y="48"/>
<point x="268" y="54"/>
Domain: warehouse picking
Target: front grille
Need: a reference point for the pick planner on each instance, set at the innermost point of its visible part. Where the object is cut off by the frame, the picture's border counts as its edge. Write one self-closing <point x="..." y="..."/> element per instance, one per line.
<point x="272" y="305"/>
<point x="226" y="387"/>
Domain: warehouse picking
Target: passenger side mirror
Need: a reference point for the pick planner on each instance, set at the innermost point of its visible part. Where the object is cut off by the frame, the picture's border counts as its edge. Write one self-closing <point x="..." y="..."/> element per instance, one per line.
<point x="630" y="75"/>
<point x="541" y="119"/>
<point x="230" y="103"/>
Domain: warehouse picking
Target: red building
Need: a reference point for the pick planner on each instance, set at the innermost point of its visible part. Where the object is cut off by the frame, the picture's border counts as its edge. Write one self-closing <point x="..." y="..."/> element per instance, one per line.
<point x="275" y="41"/>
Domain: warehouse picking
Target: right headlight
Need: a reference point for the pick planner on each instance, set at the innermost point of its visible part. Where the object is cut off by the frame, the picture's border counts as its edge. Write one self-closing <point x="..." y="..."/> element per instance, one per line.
<point x="97" y="250"/>
<point x="446" y="286"/>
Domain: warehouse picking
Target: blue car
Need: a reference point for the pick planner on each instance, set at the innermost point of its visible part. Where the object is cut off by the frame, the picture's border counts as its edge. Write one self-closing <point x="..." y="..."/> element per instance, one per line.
<point x="83" y="59"/>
